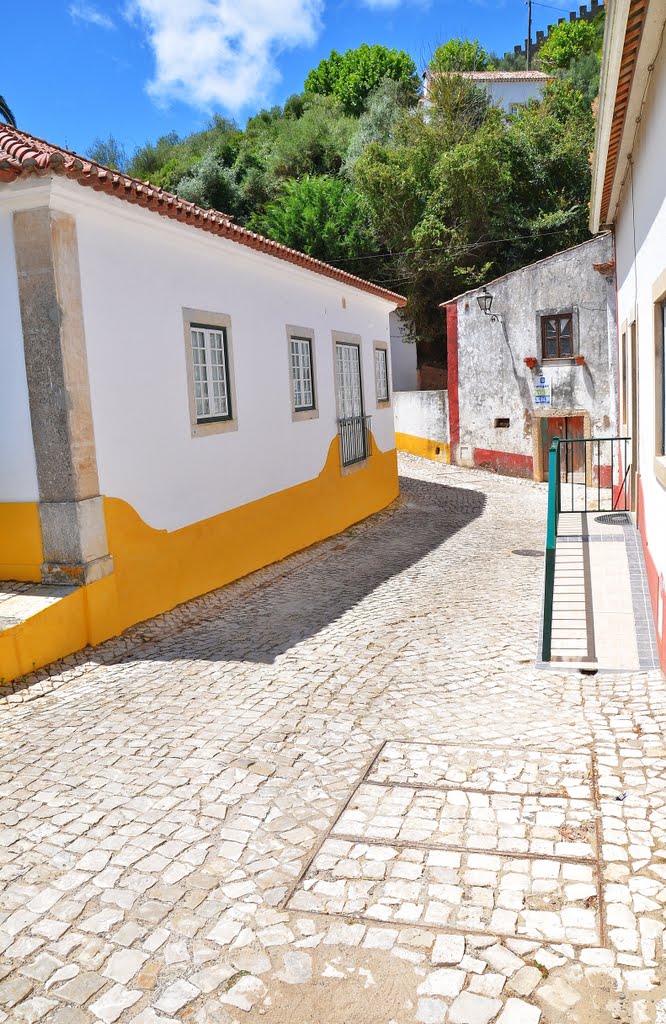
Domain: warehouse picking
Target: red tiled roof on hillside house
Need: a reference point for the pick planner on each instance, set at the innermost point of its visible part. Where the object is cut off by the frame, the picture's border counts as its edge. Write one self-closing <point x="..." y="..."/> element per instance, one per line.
<point x="22" y="155"/>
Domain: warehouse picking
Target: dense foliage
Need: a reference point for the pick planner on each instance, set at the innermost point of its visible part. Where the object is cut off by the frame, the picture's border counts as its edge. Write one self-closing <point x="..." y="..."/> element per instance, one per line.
<point x="461" y="55"/>
<point x="353" y="75"/>
<point x="425" y="202"/>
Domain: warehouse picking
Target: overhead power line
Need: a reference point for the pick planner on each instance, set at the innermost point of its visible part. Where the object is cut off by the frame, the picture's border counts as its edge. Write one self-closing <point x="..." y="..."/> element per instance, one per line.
<point x="457" y="252"/>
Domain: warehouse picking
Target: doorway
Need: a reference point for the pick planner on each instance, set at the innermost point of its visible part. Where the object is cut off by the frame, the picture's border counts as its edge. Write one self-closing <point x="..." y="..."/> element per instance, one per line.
<point x="567" y="428"/>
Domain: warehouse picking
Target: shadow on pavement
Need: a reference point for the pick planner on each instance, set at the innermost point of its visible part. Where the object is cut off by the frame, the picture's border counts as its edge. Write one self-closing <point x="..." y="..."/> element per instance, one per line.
<point x="286" y="611"/>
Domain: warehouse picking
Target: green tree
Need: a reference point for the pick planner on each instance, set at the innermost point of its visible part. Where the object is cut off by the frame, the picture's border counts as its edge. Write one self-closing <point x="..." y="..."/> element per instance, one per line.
<point x="323" y="217"/>
<point x="383" y="107"/>
<point x="353" y="75"/>
<point x="211" y="185"/>
<point x="314" y="143"/>
<point x="461" y="55"/>
<point x="109" y="152"/>
<point x="567" y="42"/>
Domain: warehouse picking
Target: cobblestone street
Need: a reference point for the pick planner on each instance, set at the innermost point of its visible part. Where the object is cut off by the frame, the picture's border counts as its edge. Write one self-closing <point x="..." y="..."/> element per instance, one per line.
<point x="340" y="792"/>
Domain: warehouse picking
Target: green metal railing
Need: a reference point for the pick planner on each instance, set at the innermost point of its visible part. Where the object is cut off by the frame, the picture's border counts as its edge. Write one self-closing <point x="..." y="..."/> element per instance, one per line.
<point x="551" y="541"/>
<point x="577" y="499"/>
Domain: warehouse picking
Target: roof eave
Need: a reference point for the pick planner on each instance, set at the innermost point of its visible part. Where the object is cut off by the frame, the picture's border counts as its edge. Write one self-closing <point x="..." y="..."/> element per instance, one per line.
<point x="616" y="25"/>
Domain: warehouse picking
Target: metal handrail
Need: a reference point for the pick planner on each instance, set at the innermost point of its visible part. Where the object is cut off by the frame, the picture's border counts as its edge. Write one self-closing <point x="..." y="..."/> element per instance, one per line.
<point x="551" y="542"/>
<point x="555" y="510"/>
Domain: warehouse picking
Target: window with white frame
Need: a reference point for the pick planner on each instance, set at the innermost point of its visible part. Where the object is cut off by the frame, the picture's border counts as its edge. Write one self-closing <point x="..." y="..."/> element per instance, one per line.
<point x="210" y="363"/>
<point x="302" y="378"/>
<point x="381" y="375"/>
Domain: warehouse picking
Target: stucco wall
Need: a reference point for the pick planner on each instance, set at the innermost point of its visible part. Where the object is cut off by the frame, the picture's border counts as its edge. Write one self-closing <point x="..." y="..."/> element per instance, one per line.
<point x="138" y="271"/>
<point x="493" y="380"/>
<point x="637" y="282"/>
<point x="422" y="414"/>
<point x="503" y="94"/>
<point x="18" y="474"/>
<point x="403" y="354"/>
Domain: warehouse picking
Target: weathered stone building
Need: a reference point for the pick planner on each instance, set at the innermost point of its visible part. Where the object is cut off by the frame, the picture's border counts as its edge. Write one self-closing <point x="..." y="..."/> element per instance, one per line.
<point x="539" y="362"/>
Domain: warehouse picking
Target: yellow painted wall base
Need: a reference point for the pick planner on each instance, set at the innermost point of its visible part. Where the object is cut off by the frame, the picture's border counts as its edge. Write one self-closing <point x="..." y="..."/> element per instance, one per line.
<point x="438" y="451"/>
<point x="20" y="541"/>
<point x="154" y="570"/>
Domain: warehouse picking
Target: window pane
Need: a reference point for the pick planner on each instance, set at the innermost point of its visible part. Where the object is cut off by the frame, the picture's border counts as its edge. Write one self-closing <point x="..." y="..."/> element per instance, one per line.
<point x="348" y="382"/>
<point x="381" y="375"/>
<point x="210" y="373"/>
<point x="566" y="347"/>
<point x="301" y="373"/>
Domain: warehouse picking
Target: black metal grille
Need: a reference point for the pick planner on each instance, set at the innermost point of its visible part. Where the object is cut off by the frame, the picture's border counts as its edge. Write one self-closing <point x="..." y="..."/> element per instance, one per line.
<point x="354" y="433"/>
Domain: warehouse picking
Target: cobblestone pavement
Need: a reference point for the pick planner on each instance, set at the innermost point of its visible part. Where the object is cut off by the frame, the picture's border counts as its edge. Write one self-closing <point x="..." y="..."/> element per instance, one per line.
<point x="339" y="792"/>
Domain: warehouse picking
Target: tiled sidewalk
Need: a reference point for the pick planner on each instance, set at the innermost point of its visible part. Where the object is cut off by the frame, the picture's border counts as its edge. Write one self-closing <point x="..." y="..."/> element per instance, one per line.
<point x="340" y="792"/>
<point x="601" y="613"/>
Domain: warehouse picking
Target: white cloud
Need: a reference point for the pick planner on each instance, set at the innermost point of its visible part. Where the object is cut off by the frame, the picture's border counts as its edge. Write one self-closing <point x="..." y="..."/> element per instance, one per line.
<point x="88" y="13"/>
<point x="222" y="52"/>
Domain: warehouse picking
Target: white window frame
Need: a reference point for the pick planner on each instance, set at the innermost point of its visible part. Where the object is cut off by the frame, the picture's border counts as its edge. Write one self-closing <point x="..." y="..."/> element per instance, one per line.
<point x="382" y="399"/>
<point x="211" y="342"/>
<point x="302" y="335"/>
<point x="211" y="324"/>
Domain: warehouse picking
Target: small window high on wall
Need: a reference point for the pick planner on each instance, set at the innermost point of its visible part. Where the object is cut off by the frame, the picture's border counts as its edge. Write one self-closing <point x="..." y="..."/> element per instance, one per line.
<point x="557" y="336"/>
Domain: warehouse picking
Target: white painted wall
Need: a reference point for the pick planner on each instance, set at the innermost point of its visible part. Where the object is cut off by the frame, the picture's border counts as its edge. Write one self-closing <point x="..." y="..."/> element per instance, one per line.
<point x="138" y="271"/>
<point x="493" y="380"/>
<point x="18" y="471"/>
<point x="403" y="354"/>
<point x="505" y="93"/>
<point x="422" y="414"/>
<point x="635" y="278"/>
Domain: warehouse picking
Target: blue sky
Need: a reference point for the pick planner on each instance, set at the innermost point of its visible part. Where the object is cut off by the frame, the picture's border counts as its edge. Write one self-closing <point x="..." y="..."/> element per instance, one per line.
<point x="140" y="68"/>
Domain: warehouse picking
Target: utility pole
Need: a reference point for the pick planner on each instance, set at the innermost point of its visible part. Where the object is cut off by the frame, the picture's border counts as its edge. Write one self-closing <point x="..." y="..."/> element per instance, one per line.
<point x="529" y="32"/>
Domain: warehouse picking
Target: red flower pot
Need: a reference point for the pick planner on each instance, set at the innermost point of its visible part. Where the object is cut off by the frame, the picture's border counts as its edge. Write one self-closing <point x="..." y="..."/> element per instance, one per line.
<point x="530" y="362"/>
<point x="579" y="360"/>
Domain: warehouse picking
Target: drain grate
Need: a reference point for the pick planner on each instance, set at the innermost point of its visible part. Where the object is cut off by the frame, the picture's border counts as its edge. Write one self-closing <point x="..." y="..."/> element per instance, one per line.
<point x="614" y="519"/>
<point x="527" y="552"/>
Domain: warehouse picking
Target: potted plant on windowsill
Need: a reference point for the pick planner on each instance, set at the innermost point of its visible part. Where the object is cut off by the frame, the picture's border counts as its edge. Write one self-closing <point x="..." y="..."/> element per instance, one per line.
<point x="530" y="362"/>
<point x="579" y="360"/>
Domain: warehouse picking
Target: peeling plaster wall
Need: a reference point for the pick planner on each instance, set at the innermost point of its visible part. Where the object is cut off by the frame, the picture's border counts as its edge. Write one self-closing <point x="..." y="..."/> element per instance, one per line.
<point x="493" y="379"/>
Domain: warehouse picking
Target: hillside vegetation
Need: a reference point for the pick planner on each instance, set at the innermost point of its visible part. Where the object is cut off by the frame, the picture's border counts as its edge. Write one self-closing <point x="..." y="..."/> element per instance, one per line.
<point x="353" y="172"/>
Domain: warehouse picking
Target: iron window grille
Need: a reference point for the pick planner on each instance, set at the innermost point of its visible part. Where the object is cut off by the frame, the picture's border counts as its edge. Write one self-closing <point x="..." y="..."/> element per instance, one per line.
<point x="302" y="381"/>
<point x="381" y="375"/>
<point x="557" y="336"/>
<point x="354" y="434"/>
<point x="210" y="360"/>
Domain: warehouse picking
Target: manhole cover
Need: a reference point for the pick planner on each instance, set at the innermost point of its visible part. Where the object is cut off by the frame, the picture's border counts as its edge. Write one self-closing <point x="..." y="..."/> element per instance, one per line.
<point x="527" y="552"/>
<point x="614" y="519"/>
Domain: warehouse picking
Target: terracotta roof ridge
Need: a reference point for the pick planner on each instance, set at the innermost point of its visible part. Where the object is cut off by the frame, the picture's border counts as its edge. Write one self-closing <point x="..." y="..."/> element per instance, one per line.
<point x="22" y="154"/>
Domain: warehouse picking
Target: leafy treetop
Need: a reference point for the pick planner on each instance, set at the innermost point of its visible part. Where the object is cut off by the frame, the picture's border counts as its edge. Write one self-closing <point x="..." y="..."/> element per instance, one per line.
<point x="461" y="55"/>
<point x="567" y="42"/>
<point x="353" y="75"/>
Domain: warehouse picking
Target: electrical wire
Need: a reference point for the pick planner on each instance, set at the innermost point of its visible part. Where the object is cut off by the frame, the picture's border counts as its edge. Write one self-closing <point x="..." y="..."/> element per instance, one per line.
<point x="457" y="252"/>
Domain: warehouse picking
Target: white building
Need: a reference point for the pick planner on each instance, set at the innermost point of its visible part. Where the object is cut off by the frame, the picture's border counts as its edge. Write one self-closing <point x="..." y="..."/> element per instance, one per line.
<point x="629" y="193"/>
<point x="506" y="89"/>
<point x="181" y="400"/>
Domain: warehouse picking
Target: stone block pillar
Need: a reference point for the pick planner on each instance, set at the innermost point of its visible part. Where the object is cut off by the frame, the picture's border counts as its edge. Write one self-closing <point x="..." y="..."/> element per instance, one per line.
<point x="70" y="507"/>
